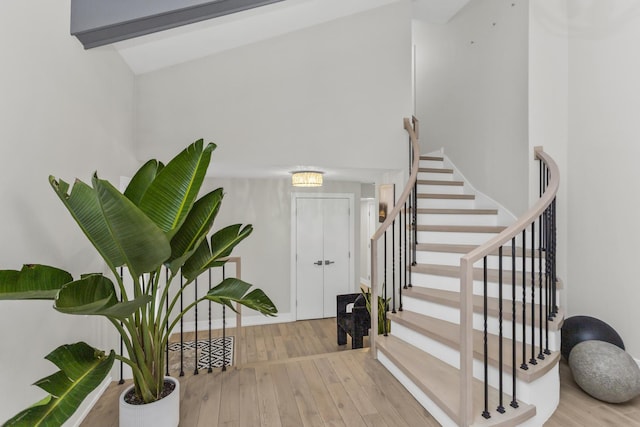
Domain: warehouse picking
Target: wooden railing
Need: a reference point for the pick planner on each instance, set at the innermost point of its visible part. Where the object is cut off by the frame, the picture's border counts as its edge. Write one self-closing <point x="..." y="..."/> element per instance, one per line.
<point x="411" y="125"/>
<point x="523" y="230"/>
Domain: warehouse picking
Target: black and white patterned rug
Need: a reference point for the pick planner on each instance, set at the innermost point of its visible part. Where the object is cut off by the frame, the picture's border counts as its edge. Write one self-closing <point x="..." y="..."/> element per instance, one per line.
<point x="207" y="353"/>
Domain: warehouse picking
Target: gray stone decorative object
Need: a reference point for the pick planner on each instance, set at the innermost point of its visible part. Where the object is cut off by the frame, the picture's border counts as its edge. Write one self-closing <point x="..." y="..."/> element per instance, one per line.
<point x="605" y="371"/>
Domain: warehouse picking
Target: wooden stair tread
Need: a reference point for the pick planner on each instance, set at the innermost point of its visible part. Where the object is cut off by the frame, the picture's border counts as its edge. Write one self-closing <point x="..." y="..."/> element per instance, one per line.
<point x="435" y="170"/>
<point x="465" y="249"/>
<point x="452" y="299"/>
<point x="448" y="333"/>
<point x="462" y="228"/>
<point x="446" y="196"/>
<point x="441" y="382"/>
<point x="440" y="182"/>
<point x="441" y="211"/>
<point x="434" y="158"/>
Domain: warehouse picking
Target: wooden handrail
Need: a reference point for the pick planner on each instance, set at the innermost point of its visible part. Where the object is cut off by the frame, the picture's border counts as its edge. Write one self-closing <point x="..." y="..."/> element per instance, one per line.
<point x="466" y="282"/>
<point x="411" y="126"/>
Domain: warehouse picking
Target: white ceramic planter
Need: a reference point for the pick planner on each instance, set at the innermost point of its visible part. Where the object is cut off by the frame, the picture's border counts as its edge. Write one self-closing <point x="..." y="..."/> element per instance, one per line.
<point x="162" y="413"/>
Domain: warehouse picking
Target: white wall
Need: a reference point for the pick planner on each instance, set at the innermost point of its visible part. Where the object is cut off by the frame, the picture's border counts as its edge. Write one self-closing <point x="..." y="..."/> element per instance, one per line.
<point x="548" y="112"/>
<point x="604" y="148"/>
<point x="266" y="254"/>
<point x="66" y="112"/>
<point x="471" y="95"/>
<point x="332" y="96"/>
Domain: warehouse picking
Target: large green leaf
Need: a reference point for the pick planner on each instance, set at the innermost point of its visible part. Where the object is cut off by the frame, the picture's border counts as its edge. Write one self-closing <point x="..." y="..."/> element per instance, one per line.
<point x="142" y="180"/>
<point x="222" y="244"/>
<point x="96" y="295"/>
<point x="34" y="281"/>
<point x="195" y="228"/>
<point x="143" y="245"/>
<point x="232" y="289"/>
<point x="172" y="193"/>
<point x="82" y="369"/>
<point x="118" y="229"/>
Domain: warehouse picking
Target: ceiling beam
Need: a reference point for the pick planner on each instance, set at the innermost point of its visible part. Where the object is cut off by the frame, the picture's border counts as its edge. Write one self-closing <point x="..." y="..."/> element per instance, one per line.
<point x="99" y="22"/>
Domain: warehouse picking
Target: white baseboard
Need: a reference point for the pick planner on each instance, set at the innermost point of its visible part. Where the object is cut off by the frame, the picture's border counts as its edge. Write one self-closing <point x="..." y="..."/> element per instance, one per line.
<point x="76" y="419"/>
<point x="259" y="319"/>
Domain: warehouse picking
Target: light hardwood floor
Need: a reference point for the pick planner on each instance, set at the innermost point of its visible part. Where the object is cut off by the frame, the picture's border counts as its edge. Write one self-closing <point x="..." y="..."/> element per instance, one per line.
<point x="578" y="409"/>
<point x="294" y="374"/>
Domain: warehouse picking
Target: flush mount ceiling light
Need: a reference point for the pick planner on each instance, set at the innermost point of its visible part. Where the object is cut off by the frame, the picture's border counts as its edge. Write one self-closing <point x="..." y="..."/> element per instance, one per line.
<point x="306" y="179"/>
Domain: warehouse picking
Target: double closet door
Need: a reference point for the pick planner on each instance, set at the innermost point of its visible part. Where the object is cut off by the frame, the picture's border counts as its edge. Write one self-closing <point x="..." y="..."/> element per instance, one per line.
<point x="322" y="255"/>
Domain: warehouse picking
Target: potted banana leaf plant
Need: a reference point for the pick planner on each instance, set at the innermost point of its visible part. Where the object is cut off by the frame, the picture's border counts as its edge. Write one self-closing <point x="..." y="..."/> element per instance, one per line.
<point x="158" y="222"/>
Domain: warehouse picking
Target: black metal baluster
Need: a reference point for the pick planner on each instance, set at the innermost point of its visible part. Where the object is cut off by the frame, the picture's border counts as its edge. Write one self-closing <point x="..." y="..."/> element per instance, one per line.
<point x="224" y="338"/>
<point x="553" y="265"/>
<point x="547" y="281"/>
<point x="393" y="266"/>
<point x="533" y="360"/>
<point x="514" y="401"/>
<point x="524" y="301"/>
<point x="224" y="326"/>
<point x="121" y="339"/>
<point x="540" y="327"/>
<point x="406" y="265"/>
<point x="195" y="369"/>
<point x="500" y="408"/>
<point x="166" y="280"/>
<point x="401" y="261"/>
<point x="181" y="332"/>
<point x="384" y="311"/>
<point x="485" y="412"/>
<point x="415" y="222"/>
<point x="210" y="350"/>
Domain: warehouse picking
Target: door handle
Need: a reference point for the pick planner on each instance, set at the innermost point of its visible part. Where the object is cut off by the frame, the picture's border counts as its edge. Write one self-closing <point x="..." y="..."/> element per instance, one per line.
<point x="318" y="262"/>
<point x="327" y="262"/>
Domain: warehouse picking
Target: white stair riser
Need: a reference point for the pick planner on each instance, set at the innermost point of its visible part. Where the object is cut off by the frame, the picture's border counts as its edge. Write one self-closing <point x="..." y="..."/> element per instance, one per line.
<point x="493" y="261"/>
<point x="543" y="392"/>
<point x="440" y="189"/>
<point x="432" y="164"/>
<point x="452" y="314"/>
<point x="446" y="203"/>
<point x="440" y="176"/>
<point x="466" y="219"/>
<point x="451" y="237"/>
<point x="453" y="284"/>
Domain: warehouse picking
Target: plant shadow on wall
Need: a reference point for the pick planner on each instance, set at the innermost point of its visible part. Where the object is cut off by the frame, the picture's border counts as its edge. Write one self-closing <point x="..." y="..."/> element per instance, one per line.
<point x="157" y="223"/>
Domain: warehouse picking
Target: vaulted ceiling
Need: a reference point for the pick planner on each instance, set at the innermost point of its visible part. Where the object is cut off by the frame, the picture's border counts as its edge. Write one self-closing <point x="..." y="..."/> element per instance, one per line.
<point x="153" y="35"/>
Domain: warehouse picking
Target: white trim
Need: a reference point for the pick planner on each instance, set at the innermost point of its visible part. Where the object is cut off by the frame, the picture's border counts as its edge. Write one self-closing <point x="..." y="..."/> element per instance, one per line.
<point x="87" y="405"/>
<point x="294" y="197"/>
<point x="203" y="325"/>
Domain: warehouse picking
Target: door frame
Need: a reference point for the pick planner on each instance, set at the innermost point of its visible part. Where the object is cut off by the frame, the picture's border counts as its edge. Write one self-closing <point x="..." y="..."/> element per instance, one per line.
<point x="294" y="201"/>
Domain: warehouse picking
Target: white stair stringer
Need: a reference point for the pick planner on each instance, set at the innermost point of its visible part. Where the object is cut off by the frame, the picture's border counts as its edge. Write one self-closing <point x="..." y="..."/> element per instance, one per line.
<point x="451" y="220"/>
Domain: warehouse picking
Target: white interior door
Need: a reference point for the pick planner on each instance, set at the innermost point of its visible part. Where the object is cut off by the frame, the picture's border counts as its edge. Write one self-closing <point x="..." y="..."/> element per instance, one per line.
<point x="323" y="258"/>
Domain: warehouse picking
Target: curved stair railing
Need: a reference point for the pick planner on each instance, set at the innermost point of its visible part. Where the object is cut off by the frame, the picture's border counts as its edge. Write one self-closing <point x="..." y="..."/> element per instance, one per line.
<point x="536" y="230"/>
<point x="397" y="219"/>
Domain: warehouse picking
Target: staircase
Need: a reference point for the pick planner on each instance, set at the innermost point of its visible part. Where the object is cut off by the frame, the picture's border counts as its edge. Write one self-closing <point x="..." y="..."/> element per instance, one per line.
<point x="473" y="266"/>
